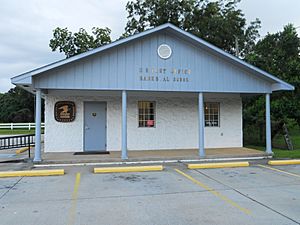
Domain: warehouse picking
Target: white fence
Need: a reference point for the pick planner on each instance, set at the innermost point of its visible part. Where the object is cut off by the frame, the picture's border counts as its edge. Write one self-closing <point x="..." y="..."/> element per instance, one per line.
<point x="13" y="126"/>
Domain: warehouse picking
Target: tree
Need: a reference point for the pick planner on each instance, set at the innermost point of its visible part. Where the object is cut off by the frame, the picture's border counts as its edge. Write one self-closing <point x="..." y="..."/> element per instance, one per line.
<point x="218" y="22"/>
<point x="17" y="105"/>
<point x="278" y="54"/>
<point x="74" y="44"/>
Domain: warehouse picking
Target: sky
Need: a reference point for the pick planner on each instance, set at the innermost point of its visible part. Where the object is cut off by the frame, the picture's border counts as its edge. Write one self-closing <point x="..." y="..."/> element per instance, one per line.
<point x="26" y="26"/>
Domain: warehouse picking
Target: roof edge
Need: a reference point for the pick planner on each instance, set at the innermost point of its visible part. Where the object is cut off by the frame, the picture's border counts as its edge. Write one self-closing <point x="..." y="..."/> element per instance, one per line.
<point x="93" y="51"/>
<point x="283" y="85"/>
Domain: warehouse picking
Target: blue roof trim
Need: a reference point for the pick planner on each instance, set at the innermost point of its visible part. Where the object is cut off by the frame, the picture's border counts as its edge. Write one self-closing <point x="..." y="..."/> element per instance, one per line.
<point x="283" y="85"/>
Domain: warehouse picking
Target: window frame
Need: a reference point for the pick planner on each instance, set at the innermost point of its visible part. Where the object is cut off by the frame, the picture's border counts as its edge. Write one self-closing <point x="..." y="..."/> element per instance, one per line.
<point x="138" y="113"/>
<point x="212" y="114"/>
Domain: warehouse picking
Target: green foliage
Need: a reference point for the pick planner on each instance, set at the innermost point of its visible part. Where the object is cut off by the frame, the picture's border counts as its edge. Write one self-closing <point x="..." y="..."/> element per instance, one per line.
<point x="73" y="44"/>
<point x="218" y="22"/>
<point x="278" y="54"/>
<point x="17" y="105"/>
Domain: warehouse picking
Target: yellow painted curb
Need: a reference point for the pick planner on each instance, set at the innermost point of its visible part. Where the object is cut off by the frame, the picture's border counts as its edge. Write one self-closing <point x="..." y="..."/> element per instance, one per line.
<point x="32" y="173"/>
<point x="218" y="165"/>
<point x="284" y="162"/>
<point x="128" y="169"/>
<point x="21" y="150"/>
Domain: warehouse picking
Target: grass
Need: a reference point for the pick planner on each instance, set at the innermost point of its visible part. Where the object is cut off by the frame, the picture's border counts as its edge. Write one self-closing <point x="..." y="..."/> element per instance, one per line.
<point x="279" y="153"/>
<point x="286" y="154"/>
<point x="278" y="140"/>
<point x="295" y="137"/>
<point x="16" y="131"/>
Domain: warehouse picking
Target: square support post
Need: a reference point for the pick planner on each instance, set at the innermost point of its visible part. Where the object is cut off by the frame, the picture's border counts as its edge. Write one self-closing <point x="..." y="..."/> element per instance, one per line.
<point x="124" y="125"/>
<point x="268" y="126"/>
<point x="38" y="112"/>
<point x="201" y="125"/>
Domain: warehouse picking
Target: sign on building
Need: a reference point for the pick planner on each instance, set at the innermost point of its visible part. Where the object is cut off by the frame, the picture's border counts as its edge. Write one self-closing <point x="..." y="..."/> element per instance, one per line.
<point x="64" y="111"/>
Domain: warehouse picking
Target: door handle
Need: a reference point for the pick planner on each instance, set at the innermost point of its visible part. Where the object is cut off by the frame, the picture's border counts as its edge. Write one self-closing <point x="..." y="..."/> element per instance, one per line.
<point x="86" y="128"/>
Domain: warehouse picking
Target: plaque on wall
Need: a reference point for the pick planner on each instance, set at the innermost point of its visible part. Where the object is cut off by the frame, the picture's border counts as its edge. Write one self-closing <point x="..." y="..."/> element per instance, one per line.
<point x="64" y="111"/>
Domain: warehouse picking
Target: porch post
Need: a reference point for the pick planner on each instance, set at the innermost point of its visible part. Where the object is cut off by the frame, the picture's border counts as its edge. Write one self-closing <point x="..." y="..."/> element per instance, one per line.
<point x="201" y="125"/>
<point x="38" y="111"/>
<point x="124" y="125"/>
<point x="268" y="126"/>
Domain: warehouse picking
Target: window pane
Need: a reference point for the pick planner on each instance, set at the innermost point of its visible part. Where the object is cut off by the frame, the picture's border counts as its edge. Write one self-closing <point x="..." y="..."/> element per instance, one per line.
<point x="211" y="114"/>
<point x="146" y="114"/>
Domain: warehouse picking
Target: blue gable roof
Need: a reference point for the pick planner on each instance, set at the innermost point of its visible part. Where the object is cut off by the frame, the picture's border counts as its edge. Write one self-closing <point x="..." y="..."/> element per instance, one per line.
<point x="133" y="64"/>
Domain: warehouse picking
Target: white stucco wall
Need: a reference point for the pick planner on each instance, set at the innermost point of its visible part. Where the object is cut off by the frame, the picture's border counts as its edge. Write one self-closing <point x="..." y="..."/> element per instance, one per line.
<point x="63" y="137"/>
<point x="176" y="124"/>
<point x="68" y="137"/>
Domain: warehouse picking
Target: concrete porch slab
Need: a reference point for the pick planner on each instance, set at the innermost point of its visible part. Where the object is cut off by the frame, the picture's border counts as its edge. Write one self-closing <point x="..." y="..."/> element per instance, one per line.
<point x="151" y="155"/>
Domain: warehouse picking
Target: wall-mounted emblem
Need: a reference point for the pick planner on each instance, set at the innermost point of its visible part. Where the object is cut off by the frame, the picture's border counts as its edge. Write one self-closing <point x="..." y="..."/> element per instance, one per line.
<point x="164" y="51"/>
<point x="64" y="111"/>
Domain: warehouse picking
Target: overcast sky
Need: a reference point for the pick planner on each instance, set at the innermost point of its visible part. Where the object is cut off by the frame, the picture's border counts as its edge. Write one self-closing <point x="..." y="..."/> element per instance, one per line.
<point x="26" y="26"/>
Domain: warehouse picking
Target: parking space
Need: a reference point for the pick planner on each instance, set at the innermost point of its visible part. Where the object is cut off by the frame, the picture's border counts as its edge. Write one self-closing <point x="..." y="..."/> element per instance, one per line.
<point x="250" y="195"/>
<point x="276" y="190"/>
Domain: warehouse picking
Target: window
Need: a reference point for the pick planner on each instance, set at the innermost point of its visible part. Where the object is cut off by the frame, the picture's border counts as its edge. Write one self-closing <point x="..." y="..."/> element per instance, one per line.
<point x="146" y="114"/>
<point x="212" y="114"/>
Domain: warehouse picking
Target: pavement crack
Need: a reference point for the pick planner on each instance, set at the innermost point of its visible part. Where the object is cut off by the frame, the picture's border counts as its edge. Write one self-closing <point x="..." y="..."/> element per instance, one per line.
<point x="124" y="196"/>
<point x="144" y="195"/>
<point x="2" y="196"/>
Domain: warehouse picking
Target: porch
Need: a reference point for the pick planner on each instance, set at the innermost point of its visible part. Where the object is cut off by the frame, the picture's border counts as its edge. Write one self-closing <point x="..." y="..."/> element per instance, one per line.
<point x="153" y="155"/>
<point x="177" y="127"/>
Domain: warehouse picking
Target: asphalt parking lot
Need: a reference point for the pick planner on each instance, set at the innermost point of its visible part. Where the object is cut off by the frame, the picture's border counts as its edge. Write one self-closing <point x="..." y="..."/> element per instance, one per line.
<point x="175" y="196"/>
